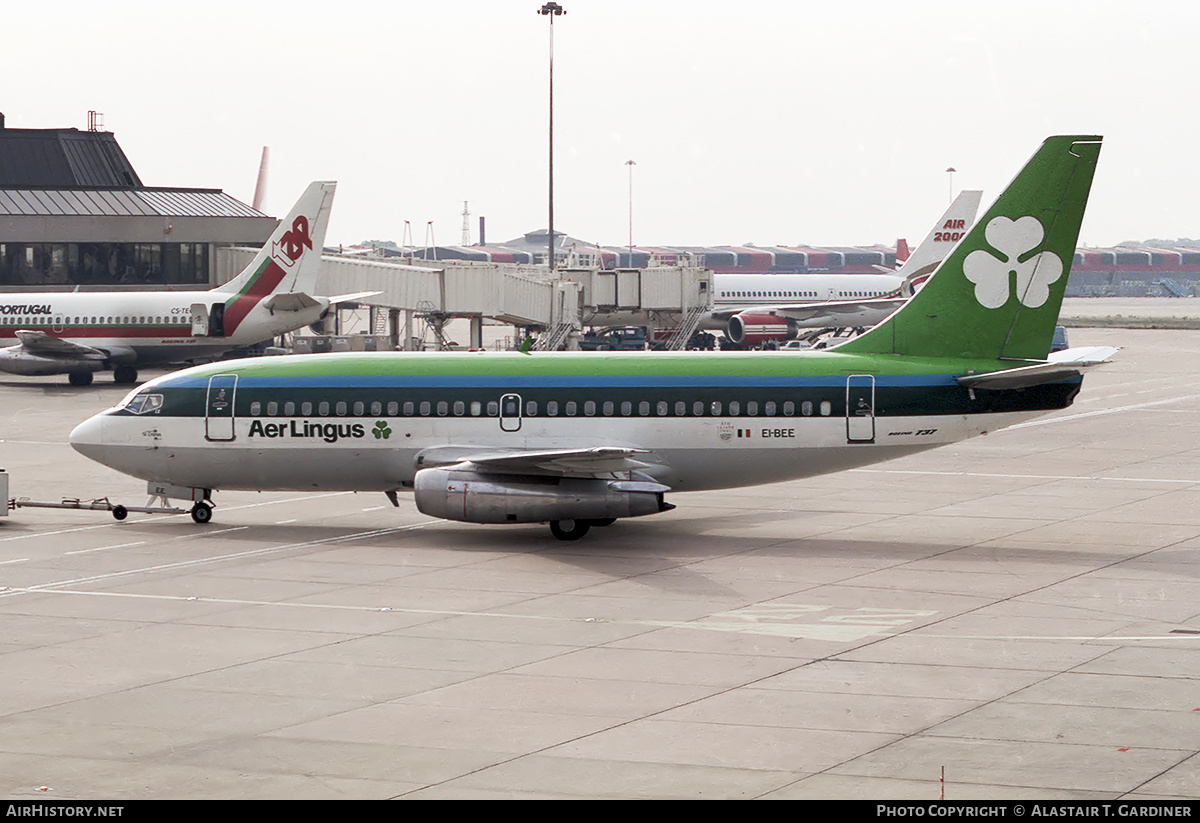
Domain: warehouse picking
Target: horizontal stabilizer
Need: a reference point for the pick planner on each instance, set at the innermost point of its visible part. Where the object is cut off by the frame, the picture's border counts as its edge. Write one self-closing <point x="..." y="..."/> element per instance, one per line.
<point x="294" y="301"/>
<point x="1061" y="365"/>
<point x="339" y="299"/>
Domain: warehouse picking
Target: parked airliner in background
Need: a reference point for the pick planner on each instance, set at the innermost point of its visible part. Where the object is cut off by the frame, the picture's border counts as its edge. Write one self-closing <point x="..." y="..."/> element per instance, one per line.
<point x="79" y="333"/>
<point x="581" y="439"/>
<point x="753" y="309"/>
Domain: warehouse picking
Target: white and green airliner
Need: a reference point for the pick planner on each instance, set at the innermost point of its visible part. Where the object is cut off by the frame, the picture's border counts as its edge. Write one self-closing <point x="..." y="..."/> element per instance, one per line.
<point x="582" y="439"/>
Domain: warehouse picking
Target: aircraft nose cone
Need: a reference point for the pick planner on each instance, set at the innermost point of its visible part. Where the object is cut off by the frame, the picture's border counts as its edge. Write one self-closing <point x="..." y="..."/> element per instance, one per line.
<point x="88" y="437"/>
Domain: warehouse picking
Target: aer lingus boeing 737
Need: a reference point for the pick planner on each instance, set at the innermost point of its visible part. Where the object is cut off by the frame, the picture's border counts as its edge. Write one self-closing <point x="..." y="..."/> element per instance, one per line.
<point x="581" y="439"/>
<point x="79" y="333"/>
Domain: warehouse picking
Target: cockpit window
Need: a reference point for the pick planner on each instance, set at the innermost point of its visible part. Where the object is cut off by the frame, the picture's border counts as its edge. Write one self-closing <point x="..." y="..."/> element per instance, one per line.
<point x="144" y="403"/>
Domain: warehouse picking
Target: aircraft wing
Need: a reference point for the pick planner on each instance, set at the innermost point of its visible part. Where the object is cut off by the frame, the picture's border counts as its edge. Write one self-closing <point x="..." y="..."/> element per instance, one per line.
<point x="46" y="345"/>
<point x="835" y="310"/>
<point x="1058" y="366"/>
<point x="598" y="461"/>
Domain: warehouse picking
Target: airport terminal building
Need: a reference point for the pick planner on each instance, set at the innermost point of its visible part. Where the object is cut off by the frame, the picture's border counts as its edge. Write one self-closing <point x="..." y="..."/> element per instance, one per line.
<point x="74" y="213"/>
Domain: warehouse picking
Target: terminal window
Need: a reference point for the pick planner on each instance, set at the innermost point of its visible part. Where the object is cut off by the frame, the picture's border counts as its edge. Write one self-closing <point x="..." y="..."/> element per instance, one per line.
<point x="103" y="264"/>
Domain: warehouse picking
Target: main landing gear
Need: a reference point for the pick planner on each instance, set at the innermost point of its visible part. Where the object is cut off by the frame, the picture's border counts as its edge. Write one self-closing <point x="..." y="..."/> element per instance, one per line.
<point x="124" y="374"/>
<point x="575" y="529"/>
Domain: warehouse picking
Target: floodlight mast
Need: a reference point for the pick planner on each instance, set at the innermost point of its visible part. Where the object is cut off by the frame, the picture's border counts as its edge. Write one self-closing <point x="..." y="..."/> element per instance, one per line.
<point x="551" y="10"/>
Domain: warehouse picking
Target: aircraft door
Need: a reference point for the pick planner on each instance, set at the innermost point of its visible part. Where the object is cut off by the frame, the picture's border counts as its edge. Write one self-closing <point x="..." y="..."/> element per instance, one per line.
<point x="199" y="320"/>
<point x="218" y="407"/>
<point x="510" y="412"/>
<point x="860" y="408"/>
<point x="216" y="320"/>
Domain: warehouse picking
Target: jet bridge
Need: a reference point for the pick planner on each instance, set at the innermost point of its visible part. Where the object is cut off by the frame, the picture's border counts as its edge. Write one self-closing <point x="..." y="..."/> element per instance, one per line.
<point x="528" y="297"/>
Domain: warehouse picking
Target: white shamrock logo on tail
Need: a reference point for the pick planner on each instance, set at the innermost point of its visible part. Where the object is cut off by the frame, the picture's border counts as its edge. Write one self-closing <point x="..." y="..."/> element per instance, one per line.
<point x="990" y="274"/>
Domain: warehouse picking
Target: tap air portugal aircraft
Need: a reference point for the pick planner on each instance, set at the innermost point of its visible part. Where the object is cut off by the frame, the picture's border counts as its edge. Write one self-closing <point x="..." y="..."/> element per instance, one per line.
<point x="581" y="439"/>
<point x="79" y="333"/>
<point x="753" y="309"/>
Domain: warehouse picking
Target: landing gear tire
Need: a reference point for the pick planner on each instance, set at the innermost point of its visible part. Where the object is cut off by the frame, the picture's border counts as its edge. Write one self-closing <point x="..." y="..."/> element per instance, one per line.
<point x="569" y="529"/>
<point x="80" y="378"/>
<point x="202" y="513"/>
<point x="124" y="374"/>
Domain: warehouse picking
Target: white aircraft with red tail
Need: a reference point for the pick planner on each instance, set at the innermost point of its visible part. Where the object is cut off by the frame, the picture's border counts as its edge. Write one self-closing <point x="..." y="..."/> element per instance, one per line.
<point x="80" y="333"/>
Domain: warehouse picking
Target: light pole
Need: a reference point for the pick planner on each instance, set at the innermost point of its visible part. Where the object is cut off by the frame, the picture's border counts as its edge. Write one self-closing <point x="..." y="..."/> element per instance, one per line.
<point x="631" y="164"/>
<point x="551" y="10"/>
<point x="950" y="171"/>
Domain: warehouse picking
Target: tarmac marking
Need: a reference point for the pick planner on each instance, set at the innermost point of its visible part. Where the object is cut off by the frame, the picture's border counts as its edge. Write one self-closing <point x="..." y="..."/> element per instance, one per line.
<point x="184" y="564"/>
<point x="106" y="548"/>
<point x="795" y="621"/>
<point x="1032" y="476"/>
<point x="1100" y="412"/>
<point x="159" y="517"/>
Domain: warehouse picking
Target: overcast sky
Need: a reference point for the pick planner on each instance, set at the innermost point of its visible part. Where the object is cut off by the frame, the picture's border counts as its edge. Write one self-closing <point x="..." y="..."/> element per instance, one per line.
<point x="767" y="123"/>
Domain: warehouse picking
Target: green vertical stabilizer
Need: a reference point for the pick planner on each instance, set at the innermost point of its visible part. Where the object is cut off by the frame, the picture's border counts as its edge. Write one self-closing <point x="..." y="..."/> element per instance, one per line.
<point x="997" y="294"/>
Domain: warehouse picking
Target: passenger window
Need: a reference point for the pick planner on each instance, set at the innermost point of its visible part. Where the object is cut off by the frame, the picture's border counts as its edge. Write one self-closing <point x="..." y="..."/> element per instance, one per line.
<point x="272" y="408"/>
<point x="735" y="408"/>
<point x="306" y="408"/>
<point x="552" y="408"/>
<point x="476" y="408"/>
<point x="443" y="408"/>
<point x="460" y="408"/>
<point x="680" y="408"/>
<point x="424" y="407"/>
<point x="393" y="408"/>
<point x="341" y="408"/>
<point x="789" y="408"/>
<point x="255" y="409"/>
<point x="289" y="408"/>
<point x="323" y="408"/>
<point x="806" y="408"/>
<point x="531" y="408"/>
<point x="408" y="408"/>
<point x="589" y="408"/>
<point x="643" y="407"/>
<point x="493" y="408"/>
<point x="752" y="408"/>
<point x="698" y="408"/>
<point x="376" y="408"/>
<point x="358" y="408"/>
<point x="571" y="408"/>
<point x="715" y="408"/>
<point x="662" y="409"/>
<point x="826" y="408"/>
<point x="626" y="408"/>
<point x="769" y="408"/>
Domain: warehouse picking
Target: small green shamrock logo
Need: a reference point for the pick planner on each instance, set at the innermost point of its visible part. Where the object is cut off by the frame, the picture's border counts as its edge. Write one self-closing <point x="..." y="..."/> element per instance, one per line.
<point x="382" y="430"/>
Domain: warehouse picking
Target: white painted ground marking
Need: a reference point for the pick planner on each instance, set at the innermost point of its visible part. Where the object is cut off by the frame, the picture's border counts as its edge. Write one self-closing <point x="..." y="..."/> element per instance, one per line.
<point x="1033" y="476"/>
<point x="1100" y="412"/>
<point x="183" y="564"/>
<point x="106" y="548"/>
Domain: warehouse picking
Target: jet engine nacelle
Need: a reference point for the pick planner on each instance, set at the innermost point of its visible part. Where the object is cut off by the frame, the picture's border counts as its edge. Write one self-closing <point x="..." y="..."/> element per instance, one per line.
<point x="460" y="493"/>
<point x="748" y="329"/>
